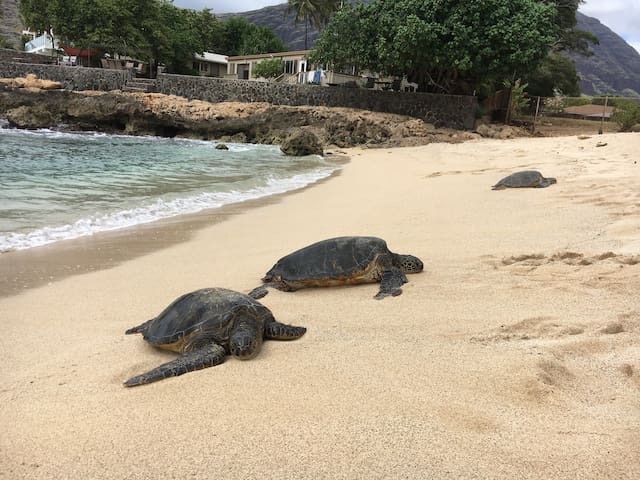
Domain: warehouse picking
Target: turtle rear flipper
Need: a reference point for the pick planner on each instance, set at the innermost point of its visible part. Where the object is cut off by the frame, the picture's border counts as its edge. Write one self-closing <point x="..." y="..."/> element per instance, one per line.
<point x="207" y="356"/>
<point x="392" y="279"/>
<point x="546" y="182"/>
<point x="280" y="331"/>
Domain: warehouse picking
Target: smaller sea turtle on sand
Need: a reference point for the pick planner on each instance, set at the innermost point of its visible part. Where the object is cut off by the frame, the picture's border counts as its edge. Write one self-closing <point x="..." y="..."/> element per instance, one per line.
<point x="341" y="261"/>
<point x="206" y="325"/>
<point x="524" y="179"/>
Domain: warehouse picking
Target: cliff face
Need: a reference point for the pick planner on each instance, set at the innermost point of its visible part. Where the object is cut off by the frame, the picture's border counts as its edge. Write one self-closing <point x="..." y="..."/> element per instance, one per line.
<point x="10" y="23"/>
<point x="615" y="65"/>
<point x="282" y="25"/>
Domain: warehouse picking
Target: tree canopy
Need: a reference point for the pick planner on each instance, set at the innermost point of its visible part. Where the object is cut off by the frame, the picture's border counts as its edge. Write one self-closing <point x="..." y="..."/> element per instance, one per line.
<point x="447" y="47"/>
<point x="314" y="12"/>
<point x="557" y="73"/>
<point x="240" y="37"/>
<point x="149" y="30"/>
<point x="269" y="68"/>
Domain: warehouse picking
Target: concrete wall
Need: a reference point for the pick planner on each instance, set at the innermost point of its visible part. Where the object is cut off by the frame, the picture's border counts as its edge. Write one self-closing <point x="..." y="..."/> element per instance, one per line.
<point x="452" y="111"/>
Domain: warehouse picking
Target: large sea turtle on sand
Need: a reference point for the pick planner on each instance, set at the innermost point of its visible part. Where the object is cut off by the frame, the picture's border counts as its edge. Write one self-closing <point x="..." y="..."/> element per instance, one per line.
<point x="341" y="261"/>
<point x="524" y="179"/>
<point x="206" y="325"/>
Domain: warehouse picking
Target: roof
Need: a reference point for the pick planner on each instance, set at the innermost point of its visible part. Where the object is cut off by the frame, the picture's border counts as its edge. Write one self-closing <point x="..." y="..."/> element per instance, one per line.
<point x="590" y="110"/>
<point x="213" y="58"/>
<point x="295" y="53"/>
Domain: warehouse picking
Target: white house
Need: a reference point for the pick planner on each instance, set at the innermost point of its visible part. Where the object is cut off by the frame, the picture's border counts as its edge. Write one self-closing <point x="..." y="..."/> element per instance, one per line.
<point x="43" y="45"/>
<point x="211" y="64"/>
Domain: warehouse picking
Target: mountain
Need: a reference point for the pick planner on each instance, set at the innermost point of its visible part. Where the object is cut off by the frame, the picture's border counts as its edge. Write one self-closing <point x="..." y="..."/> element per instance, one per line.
<point x="283" y="26"/>
<point x="615" y="65"/>
<point x="10" y="23"/>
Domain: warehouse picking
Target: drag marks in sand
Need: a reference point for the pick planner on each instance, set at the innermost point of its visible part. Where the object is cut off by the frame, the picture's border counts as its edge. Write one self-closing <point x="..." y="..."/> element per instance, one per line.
<point x="566" y="357"/>
<point x="567" y="270"/>
<point x="589" y="362"/>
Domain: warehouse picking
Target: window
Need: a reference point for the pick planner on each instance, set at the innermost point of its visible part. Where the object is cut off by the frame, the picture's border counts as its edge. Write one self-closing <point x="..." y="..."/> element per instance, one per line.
<point x="290" y="66"/>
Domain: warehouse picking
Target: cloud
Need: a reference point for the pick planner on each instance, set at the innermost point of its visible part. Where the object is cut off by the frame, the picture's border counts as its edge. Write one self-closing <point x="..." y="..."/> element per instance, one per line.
<point x="226" y="6"/>
<point x="621" y="16"/>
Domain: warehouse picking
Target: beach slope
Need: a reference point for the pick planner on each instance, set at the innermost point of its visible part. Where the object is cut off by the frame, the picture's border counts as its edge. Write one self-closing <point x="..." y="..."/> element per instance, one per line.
<point x="515" y="354"/>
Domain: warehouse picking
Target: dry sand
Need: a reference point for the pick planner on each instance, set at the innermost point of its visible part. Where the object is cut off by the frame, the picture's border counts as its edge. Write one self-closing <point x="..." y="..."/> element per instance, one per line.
<point x="515" y="354"/>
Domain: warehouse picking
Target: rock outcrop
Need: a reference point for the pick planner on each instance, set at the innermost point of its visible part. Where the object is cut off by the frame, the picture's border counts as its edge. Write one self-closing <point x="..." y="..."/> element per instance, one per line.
<point x="172" y="116"/>
<point x="300" y="143"/>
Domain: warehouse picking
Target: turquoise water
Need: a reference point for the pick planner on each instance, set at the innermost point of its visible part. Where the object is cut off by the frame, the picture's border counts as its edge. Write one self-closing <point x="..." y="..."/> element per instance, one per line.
<point x="55" y="186"/>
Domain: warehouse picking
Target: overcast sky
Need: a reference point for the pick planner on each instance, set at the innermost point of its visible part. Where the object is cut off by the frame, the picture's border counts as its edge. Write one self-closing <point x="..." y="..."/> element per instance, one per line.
<point x="621" y="16"/>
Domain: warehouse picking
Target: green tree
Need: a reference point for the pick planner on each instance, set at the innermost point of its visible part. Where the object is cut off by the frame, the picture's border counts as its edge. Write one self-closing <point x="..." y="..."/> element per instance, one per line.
<point x="568" y="38"/>
<point x="40" y="17"/>
<point x="556" y="73"/>
<point x="448" y="47"/>
<point x="240" y="37"/>
<point x="626" y="115"/>
<point x="269" y="68"/>
<point x="151" y="30"/>
<point x="312" y="12"/>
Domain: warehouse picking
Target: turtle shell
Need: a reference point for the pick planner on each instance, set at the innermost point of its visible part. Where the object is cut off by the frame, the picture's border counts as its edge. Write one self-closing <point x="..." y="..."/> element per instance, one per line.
<point x="342" y="258"/>
<point x="210" y="313"/>
<point x="526" y="178"/>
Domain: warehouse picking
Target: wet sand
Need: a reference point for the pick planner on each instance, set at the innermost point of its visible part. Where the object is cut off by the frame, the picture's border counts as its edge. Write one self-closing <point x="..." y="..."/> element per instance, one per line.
<point x="513" y="355"/>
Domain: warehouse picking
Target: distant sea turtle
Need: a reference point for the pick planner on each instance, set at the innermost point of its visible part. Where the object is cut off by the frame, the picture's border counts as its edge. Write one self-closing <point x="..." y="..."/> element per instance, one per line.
<point x="341" y="261"/>
<point x="526" y="178"/>
<point x="206" y="325"/>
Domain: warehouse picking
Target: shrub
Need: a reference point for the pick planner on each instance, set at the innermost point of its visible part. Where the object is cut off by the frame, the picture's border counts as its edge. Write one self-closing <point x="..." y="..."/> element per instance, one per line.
<point x="270" y="68"/>
<point x="626" y="115"/>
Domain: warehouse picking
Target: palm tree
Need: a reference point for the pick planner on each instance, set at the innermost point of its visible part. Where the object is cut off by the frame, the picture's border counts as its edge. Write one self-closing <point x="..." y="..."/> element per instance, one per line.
<point x="314" y="12"/>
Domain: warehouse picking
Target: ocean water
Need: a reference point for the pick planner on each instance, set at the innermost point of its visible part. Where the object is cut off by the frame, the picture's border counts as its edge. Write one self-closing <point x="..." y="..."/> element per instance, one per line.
<point x="56" y="186"/>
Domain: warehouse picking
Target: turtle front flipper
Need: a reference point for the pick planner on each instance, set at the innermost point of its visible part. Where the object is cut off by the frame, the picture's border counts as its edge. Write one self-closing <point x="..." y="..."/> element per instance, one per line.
<point x="259" y="292"/>
<point x="140" y="328"/>
<point x="279" y="331"/>
<point x="392" y="279"/>
<point x="204" y="357"/>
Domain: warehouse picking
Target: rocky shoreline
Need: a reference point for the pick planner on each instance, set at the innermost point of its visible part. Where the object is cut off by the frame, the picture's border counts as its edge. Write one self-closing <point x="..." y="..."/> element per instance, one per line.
<point x="44" y="106"/>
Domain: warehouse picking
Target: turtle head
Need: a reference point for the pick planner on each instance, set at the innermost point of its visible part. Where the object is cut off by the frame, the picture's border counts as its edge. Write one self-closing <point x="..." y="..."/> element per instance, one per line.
<point x="409" y="263"/>
<point x="245" y="343"/>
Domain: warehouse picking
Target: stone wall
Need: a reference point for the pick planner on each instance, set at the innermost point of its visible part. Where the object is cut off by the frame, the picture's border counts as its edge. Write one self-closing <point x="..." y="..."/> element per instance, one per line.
<point x="8" y="55"/>
<point x="452" y="111"/>
<point x="71" y="78"/>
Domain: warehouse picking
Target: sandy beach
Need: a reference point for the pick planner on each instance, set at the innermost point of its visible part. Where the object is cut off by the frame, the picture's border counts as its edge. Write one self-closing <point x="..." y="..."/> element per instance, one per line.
<point x="514" y="355"/>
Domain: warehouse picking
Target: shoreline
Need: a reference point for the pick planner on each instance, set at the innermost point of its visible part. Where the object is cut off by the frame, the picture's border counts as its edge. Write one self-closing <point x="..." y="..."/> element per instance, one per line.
<point x="37" y="266"/>
<point x="514" y="354"/>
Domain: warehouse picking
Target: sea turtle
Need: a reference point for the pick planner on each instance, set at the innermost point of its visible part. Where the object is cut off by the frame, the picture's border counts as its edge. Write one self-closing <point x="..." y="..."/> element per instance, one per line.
<point x="341" y="261"/>
<point x="526" y="178"/>
<point x="206" y="325"/>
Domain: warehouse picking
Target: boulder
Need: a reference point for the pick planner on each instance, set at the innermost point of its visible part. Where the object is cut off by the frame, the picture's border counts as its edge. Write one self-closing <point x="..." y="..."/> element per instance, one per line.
<point x="32" y="117"/>
<point x="300" y="143"/>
